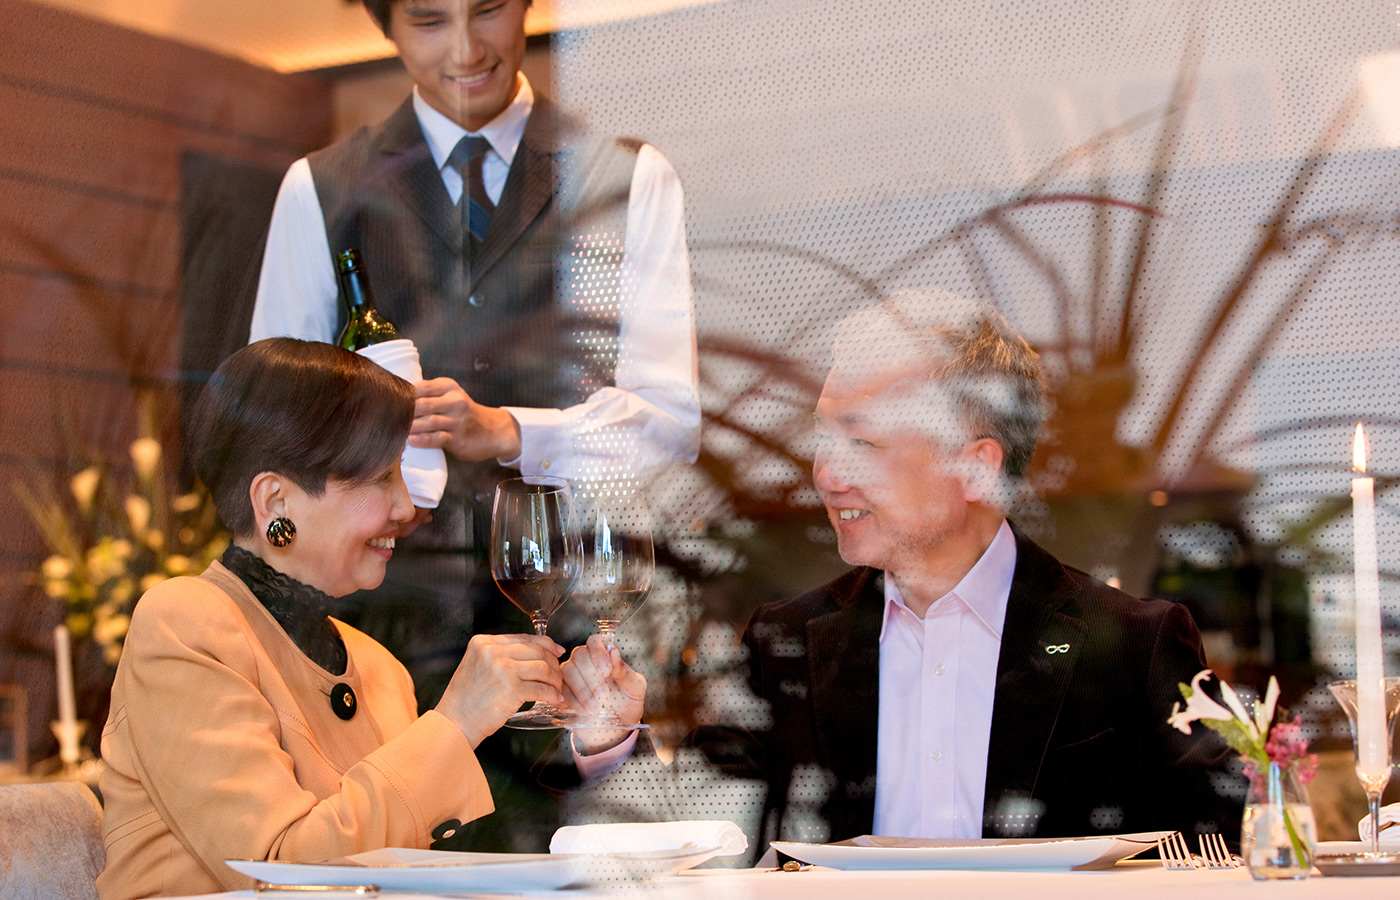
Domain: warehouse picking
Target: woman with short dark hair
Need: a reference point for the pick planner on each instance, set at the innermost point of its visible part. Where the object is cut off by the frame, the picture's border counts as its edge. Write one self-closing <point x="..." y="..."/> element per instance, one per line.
<point x="247" y="723"/>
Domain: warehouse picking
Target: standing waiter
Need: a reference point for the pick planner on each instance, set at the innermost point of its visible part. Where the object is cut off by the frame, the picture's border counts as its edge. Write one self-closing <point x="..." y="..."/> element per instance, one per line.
<point x="541" y="269"/>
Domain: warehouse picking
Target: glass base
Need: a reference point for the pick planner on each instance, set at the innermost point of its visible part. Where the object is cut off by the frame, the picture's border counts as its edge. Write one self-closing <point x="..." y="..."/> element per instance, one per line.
<point x="541" y="717"/>
<point x="605" y="725"/>
<point x="1362" y="862"/>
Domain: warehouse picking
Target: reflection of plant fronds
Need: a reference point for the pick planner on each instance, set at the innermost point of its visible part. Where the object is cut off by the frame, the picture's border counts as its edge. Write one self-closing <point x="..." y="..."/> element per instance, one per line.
<point x="868" y="286"/>
<point x="1309" y="423"/>
<point x="1275" y="240"/>
<point x="776" y="380"/>
<point x="1095" y="387"/>
<point x="1092" y="351"/>
<point x="1167" y="142"/>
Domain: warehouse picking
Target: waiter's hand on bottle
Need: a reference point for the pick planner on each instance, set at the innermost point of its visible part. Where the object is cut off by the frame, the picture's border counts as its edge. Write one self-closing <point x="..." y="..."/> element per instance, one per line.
<point x="446" y="416"/>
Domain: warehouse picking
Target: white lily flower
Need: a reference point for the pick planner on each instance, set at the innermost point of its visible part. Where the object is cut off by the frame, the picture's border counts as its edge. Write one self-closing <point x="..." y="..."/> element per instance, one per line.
<point x="145" y="456"/>
<point x="138" y="513"/>
<point x="1180" y="719"/>
<point x="1264" y="713"/>
<point x="57" y="567"/>
<point x="1198" y="706"/>
<point x="84" y="487"/>
<point x="1237" y="707"/>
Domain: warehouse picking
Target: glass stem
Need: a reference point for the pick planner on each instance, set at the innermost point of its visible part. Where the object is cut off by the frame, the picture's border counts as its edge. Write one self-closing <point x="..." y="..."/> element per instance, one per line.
<point x="605" y="710"/>
<point x="1374" y="800"/>
<point x="541" y="623"/>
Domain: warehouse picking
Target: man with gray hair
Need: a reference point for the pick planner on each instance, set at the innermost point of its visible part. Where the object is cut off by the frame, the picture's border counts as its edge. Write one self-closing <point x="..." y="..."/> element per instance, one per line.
<point x="960" y="682"/>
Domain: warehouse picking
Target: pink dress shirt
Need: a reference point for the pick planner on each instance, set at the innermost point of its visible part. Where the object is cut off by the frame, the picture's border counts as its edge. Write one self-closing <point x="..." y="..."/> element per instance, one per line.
<point x="937" y="683"/>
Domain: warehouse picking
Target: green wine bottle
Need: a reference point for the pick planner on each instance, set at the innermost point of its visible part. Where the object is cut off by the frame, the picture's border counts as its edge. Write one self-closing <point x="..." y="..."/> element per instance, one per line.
<point x="363" y="323"/>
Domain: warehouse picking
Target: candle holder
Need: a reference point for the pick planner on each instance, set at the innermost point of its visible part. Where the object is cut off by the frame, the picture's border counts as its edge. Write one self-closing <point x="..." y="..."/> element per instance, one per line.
<point x="1373" y="783"/>
<point x="70" y="752"/>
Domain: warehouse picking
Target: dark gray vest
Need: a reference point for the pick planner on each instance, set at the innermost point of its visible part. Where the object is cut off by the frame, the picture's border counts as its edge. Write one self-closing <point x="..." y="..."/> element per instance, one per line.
<point x="532" y="321"/>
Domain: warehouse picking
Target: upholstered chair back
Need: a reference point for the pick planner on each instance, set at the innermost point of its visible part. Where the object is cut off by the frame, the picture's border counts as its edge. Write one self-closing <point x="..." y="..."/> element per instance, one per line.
<point x="50" y="841"/>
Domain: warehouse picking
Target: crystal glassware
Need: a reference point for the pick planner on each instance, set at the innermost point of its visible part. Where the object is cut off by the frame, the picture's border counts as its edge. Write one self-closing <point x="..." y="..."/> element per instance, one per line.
<point x="1372" y="782"/>
<point x="1278" y="833"/>
<point x="535" y="558"/>
<point x="619" y="561"/>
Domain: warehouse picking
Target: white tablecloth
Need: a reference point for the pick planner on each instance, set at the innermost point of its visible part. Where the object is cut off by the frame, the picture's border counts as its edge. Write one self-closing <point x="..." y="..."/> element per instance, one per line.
<point x="1135" y="880"/>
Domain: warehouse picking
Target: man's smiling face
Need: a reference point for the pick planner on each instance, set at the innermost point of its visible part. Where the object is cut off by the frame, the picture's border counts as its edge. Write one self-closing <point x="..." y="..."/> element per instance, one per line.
<point x="891" y="466"/>
<point x="464" y="55"/>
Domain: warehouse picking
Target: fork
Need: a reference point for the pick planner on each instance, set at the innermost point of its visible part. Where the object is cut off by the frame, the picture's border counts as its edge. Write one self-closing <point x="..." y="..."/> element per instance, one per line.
<point x="1174" y="852"/>
<point x="1215" y="853"/>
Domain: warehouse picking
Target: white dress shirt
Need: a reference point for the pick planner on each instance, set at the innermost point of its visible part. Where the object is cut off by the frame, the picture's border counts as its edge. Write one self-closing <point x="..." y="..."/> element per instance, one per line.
<point x="655" y="397"/>
<point x="937" y="683"/>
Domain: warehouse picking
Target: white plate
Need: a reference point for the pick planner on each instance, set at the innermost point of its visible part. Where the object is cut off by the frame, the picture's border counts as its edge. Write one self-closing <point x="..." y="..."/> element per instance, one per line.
<point x="872" y="852"/>
<point x="443" y="871"/>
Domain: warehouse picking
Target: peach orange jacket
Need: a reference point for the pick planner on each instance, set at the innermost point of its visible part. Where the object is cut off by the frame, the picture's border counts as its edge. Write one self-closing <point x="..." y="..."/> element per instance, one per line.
<point x="222" y="744"/>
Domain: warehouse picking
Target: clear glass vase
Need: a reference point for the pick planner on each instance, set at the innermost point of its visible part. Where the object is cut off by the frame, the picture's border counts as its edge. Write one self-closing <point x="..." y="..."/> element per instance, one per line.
<point x="1277" y="839"/>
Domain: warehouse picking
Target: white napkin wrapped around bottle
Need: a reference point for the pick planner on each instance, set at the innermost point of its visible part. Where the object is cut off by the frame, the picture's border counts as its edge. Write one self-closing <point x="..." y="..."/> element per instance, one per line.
<point x="1390" y="815"/>
<point x="424" y="468"/>
<point x="726" y="838"/>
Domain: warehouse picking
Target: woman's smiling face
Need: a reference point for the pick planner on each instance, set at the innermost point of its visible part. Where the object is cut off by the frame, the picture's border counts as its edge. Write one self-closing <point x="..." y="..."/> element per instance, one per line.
<point x="345" y="536"/>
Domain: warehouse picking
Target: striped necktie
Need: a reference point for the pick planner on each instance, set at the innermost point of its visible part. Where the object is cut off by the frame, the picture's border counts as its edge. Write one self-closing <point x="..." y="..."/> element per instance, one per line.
<point x="476" y="207"/>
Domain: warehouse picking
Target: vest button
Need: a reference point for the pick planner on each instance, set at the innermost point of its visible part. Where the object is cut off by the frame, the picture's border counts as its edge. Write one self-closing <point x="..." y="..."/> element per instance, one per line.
<point x="481" y="365"/>
<point x="474" y="300"/>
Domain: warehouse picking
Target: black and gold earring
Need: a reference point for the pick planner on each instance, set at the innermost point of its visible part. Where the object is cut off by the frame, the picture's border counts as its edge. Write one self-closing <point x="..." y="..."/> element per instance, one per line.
<point x="281" y="531"/>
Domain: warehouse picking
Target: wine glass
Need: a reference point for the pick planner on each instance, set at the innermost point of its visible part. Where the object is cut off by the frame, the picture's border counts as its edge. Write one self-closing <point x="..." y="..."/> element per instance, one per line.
<point x="1374" y="775"/>
<point x="619" y="560"/>
<point x="535" y="557"/>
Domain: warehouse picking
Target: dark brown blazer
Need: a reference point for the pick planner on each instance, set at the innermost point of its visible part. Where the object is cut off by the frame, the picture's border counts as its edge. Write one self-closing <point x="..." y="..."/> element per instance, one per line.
<point x="1079" y="741"/>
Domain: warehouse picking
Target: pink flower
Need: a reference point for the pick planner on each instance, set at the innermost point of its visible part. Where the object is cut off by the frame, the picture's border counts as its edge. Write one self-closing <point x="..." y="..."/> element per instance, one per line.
<point x="1287" y="747"/>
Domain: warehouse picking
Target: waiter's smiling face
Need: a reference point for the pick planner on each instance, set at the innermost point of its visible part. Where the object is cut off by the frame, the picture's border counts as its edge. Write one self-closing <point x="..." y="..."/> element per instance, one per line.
<point x="464" y="55"/>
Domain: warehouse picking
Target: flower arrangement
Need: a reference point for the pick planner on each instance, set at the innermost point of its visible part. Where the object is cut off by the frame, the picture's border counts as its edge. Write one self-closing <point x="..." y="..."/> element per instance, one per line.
<point x="1256" y="738"/>
<point x="109" y="545"/>
<point x="1265" y="746"/>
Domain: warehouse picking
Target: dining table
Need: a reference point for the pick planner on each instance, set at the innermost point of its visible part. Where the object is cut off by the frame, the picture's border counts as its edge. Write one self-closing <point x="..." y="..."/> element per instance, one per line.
<point x="1135" y="879"/>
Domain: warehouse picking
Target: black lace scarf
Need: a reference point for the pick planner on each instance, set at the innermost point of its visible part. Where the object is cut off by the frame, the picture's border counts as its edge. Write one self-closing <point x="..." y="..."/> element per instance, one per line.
<point x="301" y="610"/>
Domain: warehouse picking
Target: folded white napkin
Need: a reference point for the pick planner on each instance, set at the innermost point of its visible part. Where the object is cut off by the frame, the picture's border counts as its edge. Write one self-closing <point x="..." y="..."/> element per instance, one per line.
<point x="724" y="836"/>
<point x="1390" y="813"/>
<point x="424" y="468"/>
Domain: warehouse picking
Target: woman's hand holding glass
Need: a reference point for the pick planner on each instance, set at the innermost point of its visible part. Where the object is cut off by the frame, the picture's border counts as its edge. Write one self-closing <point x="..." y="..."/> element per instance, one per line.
<point x="497" y="675"/>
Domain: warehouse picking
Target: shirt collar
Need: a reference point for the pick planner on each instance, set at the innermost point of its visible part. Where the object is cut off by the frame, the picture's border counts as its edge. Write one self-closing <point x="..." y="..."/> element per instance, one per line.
<point x="504" y="132"/>
<point x="984" y="590"/>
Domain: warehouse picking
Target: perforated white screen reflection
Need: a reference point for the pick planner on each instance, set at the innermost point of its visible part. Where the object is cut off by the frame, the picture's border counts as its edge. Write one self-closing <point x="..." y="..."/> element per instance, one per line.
<point x="1190" y="209"/>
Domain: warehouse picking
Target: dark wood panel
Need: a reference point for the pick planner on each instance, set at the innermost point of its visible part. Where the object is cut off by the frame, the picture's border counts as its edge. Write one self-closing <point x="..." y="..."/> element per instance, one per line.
<point x="66" y="54"/>
<point x="25" y="663"/>
<point x="57" y="323"/>
<point x="100" y="124"/>
<point x="48" y="416"/>
<point x="46" y="228"/>
<point x="106" y="150"/>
